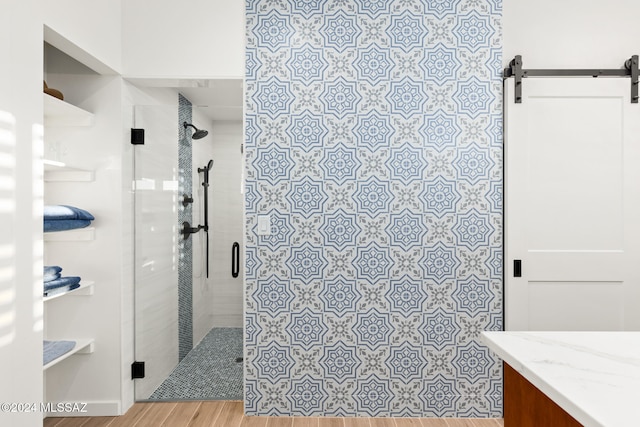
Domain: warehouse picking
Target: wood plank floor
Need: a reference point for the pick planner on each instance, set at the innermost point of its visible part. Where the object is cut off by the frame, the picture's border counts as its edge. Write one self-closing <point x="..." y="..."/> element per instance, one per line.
<point x="230" y="414"/>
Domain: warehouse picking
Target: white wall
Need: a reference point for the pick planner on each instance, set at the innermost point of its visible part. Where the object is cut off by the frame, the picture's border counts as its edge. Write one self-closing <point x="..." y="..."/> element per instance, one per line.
<point x="93" y="378"/>
<point x="226" y="222"/>
<point x="571" y="33"/>
<point x="95" y="26"/>
<point x="186" y="39"/>
<point x="91" y="33"/>
<point x="20" y="209"/>
<point x="217" y="301"/>
<point x="203" y="302"/>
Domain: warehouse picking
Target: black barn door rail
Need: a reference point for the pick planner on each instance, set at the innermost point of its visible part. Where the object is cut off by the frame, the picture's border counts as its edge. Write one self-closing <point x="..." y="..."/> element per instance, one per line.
<point x="630" y="69"/>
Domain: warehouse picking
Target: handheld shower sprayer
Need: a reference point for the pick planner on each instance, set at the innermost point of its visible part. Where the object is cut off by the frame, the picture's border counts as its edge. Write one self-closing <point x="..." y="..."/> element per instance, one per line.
<point x="205" y="183"/>
<point x="207" y="167"/>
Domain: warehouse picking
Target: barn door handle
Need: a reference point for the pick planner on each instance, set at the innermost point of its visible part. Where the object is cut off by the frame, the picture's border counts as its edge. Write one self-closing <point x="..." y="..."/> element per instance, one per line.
<point x="517" y="268"/>
<point x="235" y="260"/>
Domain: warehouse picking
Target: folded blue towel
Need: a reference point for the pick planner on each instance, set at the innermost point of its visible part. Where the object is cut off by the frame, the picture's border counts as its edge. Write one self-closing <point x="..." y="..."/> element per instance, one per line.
<point x="51" y="277"/>
<point x="63" y="281"/>
<point x="52" y="269"/>
<point x="61" y="290"/>
<point x="65" y="224"/>
<point x="51" y="272"/>
<point x="58" y="212"/>
<point x="55" y="349"/>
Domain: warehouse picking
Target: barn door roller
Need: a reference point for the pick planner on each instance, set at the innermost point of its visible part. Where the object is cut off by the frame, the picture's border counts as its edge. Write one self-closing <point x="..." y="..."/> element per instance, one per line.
<point x="630" y="69"/>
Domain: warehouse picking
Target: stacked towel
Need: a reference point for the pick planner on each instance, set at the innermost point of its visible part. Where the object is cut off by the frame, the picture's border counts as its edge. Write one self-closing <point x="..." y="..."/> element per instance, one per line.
<point x="65" y="217"/>
<point x="55" y="349"/>
<point x="51" y="272"/>
<point x="55" y="283"/>
<point x="63" y="284"/>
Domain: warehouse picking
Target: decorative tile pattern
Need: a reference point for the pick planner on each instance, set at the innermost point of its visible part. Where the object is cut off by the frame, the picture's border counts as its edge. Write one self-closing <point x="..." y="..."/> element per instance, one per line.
<point x="307" y="130"/>
<point x="307" y="197"/>
<point x="209" y="371"/>
<point x="406" y="296"/>
<point x="373" y="130"/>
<point x="273" y="296"/>
<point x="406" y="164"/>
<point x="339" y="30"/>
<point x="307" y="64"/>
<point x="339" y="296"/>
<point x="306" y="328"/>
<point x="407" y="97"/>
<point x="307" y="396"/>
<point x="273" y="164"/>
<point x="374" y="141"/>
<point x="340" y="362"/>
<point x="373" y="64"/>
<point x="185" y="248"/>
<point x="274" y="96"/>
<point x="373" y="396"/>
<point x="340" y="98"/>
<point x="274" y="362"/>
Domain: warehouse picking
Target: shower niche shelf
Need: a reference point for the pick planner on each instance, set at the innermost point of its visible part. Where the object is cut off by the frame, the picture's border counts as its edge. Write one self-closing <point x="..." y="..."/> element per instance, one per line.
<point x="61" y="113"/>
<point x="77" y="235"/>
<point x="86" y="288"/>
<point x="83" y="346"/>
<point x="55" y="171"/>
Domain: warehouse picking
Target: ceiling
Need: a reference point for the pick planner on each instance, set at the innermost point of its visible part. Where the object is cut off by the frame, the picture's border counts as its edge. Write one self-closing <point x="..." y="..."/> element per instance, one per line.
<point x="217" y="99"/>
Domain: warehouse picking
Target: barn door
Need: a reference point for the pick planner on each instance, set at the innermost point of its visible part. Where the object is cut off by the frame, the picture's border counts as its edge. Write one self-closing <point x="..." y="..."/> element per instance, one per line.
<point x="572" y="205"/>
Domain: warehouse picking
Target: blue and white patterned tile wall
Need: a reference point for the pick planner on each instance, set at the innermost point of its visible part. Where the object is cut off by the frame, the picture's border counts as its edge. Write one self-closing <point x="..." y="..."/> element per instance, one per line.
<point x="373" y="140"/>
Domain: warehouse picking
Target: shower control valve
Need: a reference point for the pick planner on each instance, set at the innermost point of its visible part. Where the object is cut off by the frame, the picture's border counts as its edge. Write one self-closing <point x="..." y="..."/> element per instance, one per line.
<point x="186" y="200"/>
<point x="188" y="230"/>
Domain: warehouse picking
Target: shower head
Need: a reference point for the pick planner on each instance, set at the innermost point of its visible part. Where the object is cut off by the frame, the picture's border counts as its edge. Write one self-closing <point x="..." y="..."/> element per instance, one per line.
<point x="210" y="164"/>
<point x="199" y="133"/>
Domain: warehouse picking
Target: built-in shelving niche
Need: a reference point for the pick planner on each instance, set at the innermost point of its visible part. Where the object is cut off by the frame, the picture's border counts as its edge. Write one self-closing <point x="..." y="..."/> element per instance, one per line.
<point x="83" y="346"/>
<point x="62" y="113"/>
<point x="72" y="175"/>
<point x="55" y="171"/>
<point x="77" y="235"/>
<point x="59" y="113"/>
<point x="86" y="288"/>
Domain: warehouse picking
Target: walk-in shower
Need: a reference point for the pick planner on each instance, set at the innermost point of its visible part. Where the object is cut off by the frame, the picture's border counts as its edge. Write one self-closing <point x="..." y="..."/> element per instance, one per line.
<point x="187" y="214"/>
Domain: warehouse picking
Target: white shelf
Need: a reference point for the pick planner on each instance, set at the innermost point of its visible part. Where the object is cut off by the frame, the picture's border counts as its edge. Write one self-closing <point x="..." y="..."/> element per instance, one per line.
<point x="59" y="172"/>
<point x="86" y="288"/>
<point x="79" y="234"/>
<point x="61" y="113"/>
<point x="85" y="346"/>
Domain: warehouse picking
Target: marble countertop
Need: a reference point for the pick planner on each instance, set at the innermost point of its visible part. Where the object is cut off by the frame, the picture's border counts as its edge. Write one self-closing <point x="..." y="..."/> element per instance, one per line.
<point x="594" y="376"/>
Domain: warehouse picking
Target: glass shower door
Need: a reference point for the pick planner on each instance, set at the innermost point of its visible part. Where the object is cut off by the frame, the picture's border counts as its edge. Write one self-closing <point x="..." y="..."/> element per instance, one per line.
<point x="156" y="203"/>
<point x="186" y="321"/>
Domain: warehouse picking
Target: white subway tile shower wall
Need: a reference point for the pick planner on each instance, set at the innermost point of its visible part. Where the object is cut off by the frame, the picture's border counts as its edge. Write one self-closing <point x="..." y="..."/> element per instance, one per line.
<point x="374" y="142"/>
